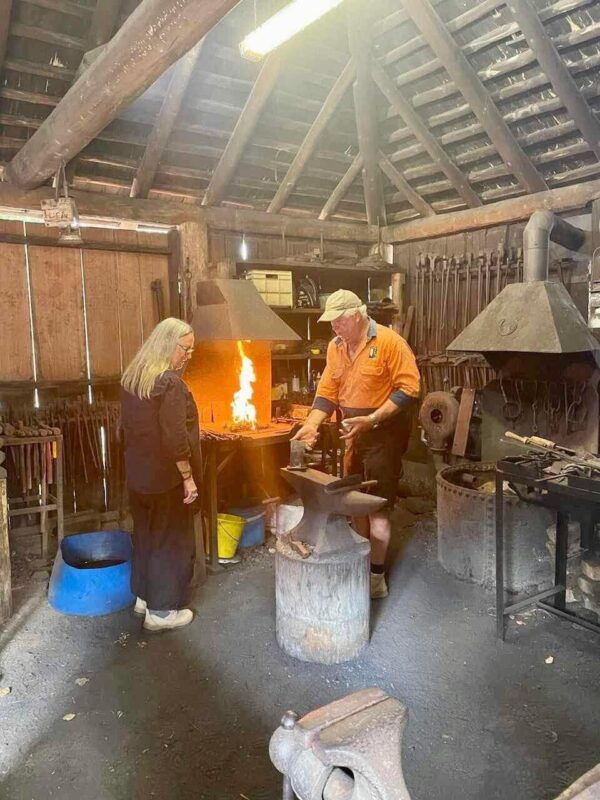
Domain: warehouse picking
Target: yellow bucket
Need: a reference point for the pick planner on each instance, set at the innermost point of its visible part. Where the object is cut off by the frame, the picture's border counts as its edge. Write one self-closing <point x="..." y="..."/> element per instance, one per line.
<point x="229" y="532"/>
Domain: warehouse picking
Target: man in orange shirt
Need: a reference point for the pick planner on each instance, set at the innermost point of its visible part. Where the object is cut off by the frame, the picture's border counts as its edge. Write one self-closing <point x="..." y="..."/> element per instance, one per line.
<point x="372" y="376"/>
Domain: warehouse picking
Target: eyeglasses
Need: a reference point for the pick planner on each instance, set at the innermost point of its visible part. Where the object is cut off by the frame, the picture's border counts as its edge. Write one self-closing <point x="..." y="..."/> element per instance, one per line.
<point x="187" y="350"/>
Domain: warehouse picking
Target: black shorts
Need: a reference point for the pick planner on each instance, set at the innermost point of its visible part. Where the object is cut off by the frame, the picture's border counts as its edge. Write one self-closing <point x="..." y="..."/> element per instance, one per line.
<point x="377" y="455"/>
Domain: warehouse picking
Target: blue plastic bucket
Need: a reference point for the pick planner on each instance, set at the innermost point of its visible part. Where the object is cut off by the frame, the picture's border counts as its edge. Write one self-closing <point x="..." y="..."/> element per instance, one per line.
<point x="92" y="574"/>
<point x="254" y="527"/>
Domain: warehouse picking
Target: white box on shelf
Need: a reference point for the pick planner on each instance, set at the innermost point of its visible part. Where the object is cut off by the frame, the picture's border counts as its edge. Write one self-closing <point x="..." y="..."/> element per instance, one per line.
<point x="276" y="287"/>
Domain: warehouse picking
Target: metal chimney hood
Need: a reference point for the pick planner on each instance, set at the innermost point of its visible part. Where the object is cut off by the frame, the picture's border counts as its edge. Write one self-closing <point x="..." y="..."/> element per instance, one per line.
<point x="233" y="309"/>
<point x="536" y="316"/>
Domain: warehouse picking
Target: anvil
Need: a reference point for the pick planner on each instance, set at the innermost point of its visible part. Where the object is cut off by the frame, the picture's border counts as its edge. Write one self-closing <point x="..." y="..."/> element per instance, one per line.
<point x="324" y="524"/>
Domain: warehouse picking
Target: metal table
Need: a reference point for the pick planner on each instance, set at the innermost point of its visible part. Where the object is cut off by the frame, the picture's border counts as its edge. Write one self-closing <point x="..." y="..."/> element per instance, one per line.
<point x="570" y="497"/>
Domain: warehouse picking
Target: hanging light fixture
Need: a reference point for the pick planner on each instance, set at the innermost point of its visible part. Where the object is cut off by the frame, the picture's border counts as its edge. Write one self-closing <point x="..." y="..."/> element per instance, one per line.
<point x="61" y="211"/>
<point x="244" y="248"/>
<point x="287" y="22"/>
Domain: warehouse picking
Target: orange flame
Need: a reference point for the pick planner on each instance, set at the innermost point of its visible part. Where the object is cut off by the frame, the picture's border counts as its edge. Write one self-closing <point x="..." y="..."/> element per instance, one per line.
<point x="243" y="410"/>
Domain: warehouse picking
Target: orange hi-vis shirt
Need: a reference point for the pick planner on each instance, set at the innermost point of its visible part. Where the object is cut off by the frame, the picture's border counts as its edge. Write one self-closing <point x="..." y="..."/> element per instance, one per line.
<point x="384" y="368"/>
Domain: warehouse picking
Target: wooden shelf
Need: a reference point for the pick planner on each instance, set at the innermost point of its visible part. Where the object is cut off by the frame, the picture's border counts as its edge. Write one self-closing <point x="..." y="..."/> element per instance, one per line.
<point x="300" y="311"/>
<point x="327" y="266"/>
<point x="297" y="357"/>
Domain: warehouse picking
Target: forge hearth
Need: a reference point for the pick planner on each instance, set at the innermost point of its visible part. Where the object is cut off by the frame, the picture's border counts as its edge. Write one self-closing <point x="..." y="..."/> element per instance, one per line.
<point x="213" y="376"/>
<point x="233" y="326"/>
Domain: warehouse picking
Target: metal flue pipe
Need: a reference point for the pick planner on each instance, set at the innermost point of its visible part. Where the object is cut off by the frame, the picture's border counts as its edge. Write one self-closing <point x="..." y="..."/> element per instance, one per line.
<point x="542" y="228"/>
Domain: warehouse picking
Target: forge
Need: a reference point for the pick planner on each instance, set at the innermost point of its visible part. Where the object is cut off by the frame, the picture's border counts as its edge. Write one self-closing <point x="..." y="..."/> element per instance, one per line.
<point x="230" y="372"/>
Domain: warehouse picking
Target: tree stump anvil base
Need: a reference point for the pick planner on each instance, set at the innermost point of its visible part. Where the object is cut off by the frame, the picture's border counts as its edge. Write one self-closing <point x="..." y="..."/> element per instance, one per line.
<point x="323" y="601"/>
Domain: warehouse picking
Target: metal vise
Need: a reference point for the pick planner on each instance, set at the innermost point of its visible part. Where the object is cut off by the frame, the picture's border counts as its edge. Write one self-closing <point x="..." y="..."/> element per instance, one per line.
<point x="347" y="750"/>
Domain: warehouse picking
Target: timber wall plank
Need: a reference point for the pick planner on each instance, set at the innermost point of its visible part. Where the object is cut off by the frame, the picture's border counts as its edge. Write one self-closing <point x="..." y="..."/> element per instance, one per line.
<point x="129" y="305"/>
<point x="100" y="271"/>
<point x="57" y="301"/>
<point x="15" y="353"/>
<point x="119" y="303"/>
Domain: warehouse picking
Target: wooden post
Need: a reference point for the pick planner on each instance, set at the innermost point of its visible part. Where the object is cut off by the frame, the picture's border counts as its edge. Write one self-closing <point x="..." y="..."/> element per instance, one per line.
<point x="159" y="136"/>
<point x="367" y="124"/>
<point x="188" y="264"/>
<point x="244" y="128"/>
<point x="398" y="300"/>
<point x="404" y="187"/>
<point x="340" y="190"/>
<point x="156" y="35"/>
<point x="226" y="268"/>
<point x="307" y="148"/>
<point x="5" y="580"/>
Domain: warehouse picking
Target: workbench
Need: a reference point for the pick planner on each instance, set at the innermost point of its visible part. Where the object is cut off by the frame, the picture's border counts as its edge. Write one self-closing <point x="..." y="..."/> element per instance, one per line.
<point x="571" y="497"/>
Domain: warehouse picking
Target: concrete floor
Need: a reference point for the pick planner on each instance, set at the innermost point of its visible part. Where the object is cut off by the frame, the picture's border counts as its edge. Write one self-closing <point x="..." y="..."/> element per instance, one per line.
<point x="189" y="714"/>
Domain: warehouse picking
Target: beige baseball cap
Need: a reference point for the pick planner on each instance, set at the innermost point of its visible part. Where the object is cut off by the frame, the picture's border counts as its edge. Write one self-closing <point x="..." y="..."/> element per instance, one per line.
<point x="338" y="302"/>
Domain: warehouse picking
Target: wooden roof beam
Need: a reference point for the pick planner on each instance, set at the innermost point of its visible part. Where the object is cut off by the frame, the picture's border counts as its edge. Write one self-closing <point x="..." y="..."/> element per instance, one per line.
<point x="119" y="207"/>
<point x="5" y="9"/>
<point x="568" y="198"/>
<point x="467" y="81"/>
<point x="45" y="35"/>
<point x="422" y="133"/>
<point x="554" y="67"/>
<point x="106" y="15"/>
<point x="404" y="187"/>
<point x="309" y="144"/>
<point x="128" y="64"/>
<point x="165" y="122"/>
<point x="341" y="189"/>
<point x="367" y="125"/>
<point x="244" y="128"/>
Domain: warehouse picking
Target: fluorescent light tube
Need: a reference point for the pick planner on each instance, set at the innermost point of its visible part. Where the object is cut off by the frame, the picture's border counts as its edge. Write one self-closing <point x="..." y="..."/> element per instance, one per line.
<point x="286" y="23"/>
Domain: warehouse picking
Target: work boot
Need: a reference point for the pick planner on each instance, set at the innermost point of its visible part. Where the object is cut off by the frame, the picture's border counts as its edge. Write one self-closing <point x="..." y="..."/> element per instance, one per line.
<point x="379" y="587"/>
<point x="140" y="606"/>
<point x="172" y="619"/>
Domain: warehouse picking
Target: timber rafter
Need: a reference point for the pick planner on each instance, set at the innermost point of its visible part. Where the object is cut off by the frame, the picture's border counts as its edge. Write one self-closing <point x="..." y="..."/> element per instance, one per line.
<point x="534" y="122"/>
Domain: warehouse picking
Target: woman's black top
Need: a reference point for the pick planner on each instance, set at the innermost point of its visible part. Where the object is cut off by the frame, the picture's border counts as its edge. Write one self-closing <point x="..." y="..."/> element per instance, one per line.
<point x="158" y="432"/>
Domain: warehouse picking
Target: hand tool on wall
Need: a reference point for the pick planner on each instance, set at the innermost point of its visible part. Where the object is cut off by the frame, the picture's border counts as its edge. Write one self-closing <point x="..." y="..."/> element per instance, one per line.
<point x="480" y="259"/>
<point x="456" y="271"/>
<point x="158" y="299"/>
<point x="487" y="264"/>
<point x="467" y="305"/>
<point x="431" y="262"/>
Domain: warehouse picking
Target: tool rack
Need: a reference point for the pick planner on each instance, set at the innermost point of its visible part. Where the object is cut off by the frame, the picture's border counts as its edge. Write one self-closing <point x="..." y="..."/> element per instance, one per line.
<point x="48" y="450"/>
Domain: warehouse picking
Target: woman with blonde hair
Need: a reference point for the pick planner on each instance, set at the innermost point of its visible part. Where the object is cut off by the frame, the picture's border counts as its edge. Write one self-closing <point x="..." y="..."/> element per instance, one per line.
<point x="162" y="463"/>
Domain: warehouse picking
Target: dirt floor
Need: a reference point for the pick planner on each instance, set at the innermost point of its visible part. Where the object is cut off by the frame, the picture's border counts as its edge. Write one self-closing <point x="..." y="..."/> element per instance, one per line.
<point x="188" y="715"/>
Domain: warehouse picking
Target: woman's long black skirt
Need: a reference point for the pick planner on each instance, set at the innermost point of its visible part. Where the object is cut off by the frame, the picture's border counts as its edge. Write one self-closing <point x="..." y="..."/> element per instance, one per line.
<point x="163" y="549"/>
